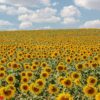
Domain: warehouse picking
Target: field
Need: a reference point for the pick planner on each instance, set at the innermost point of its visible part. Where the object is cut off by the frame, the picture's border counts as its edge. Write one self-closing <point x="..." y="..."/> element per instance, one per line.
<point x="50" y="65"/>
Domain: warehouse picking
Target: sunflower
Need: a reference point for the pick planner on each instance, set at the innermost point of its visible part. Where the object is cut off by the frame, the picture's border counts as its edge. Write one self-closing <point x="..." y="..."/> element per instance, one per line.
<point x="44" y="64"/>
<point x="7" y="93"/>
<point x="11" y="86"/>
<point x="40" y="83"/>
<point x="29" y="74"/>
<point x="60" y="68"/>
<point x="77" y="82"/>
<point x="44" y="75"/>
<point x="91" y="80"/>
<point x="67" y="82"/>
<point x="89" y="91"/>
<point x="48" y="69"/>
<point x="64" y="96"/>
<point x="23" y="74"/>
<point x="34" y="89"/>
<point x="60" y="79"/>
<point x="15" y="66"/>
<point x="10" y="79"/>
<point x="68" y="60"/>
<point x="75" y="75"/>
<point x="52" y="89"/>
<point x="33" y="67"/>
<point x="27" y="66"/>
<point x="36" y="63"/>
<point x="24" y="79"/>
<point x="24" y="87"/>
<point x="97" y="97"/>
<point x="2" y="75"/>
<point x="79" y="67"/>
<point x="2" y="68"/>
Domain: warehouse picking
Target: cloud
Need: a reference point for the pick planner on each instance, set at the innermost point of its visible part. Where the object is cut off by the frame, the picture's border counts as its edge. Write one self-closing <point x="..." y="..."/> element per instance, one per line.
<point x="5" y="23"/>
<point x="89" y="4"/>
<point x="25" y="25"/>
<point x="70" y="20"/>
<point x="11" y="10"/>
<point x="91" y="24"/>
<point x="30" y="3"/>
<point x="46" y="15"/>
<point x="70" y="11"/>
<point x="70" y="14"/>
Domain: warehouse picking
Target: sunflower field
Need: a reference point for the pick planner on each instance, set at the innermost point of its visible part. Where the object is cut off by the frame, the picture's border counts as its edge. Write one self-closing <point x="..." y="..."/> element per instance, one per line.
<point x="50" y="65"/>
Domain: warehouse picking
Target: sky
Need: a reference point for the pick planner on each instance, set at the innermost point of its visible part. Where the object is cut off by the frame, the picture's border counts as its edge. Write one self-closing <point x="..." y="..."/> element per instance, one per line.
<point x="49" y="14"/>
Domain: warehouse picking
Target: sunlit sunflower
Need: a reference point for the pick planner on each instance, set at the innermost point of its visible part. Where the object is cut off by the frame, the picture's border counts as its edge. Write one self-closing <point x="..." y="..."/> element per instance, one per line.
<point x="7" y="93"/>
<point x="48" y="69"/>
<point x="23" y="73"/>
<point x="2" y="68"/>
<point x="68" y="60"/>
<point x="60" y="79"/>
<point x="10" y="79"/>
<point x="33" y="67"/>
<point x="24" y="87"/>
<point x="97" y="97"/>
<point x="53" y="89"/>
<point x="77" y="82"/>
<point x="64" y="96"/>
<point x="40" y="83"/>
<point x="79" y="67"/>
<point x="44" y="75"/>
<point x="2" y="75"/>
<point x="36" y="63"/>
<point x="34" y="89"/>
<point x="27" y="67"/>
<point x="44" y="64"/>
<point x="91" y="80"/>
<point x="67" y="82"/>
<point x="75" y="75"/>
<point x="89" y="91"/>
<point x="12" y="87"/>
<point x="29" y="74"/>
<point x="60" y="68"/>
<point x="24" y="79"/>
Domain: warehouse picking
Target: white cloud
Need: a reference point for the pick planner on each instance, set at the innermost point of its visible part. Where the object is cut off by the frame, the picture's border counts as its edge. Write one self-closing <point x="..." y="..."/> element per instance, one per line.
<point x="11" y="10"/>
<point x="89" y="4"/>
<point x="91" y="24"/>
<point x="5" y="23"/>
<point x="31" y="3"/>
<point x="70" y="11"/>
<point x="24" y="25"/>
<point x="70" y="20"/>
<point x="46" y="15"/>
<point x="70" y="14"/>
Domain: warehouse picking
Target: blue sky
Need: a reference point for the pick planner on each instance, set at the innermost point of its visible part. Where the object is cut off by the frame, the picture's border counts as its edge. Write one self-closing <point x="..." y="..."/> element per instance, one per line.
<point x="49" y="14"/>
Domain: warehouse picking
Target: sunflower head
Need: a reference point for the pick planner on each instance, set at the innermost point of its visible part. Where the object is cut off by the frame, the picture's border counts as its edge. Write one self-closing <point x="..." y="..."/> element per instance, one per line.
<point x="91" y="80"/>
<point x="89" y="91"/>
